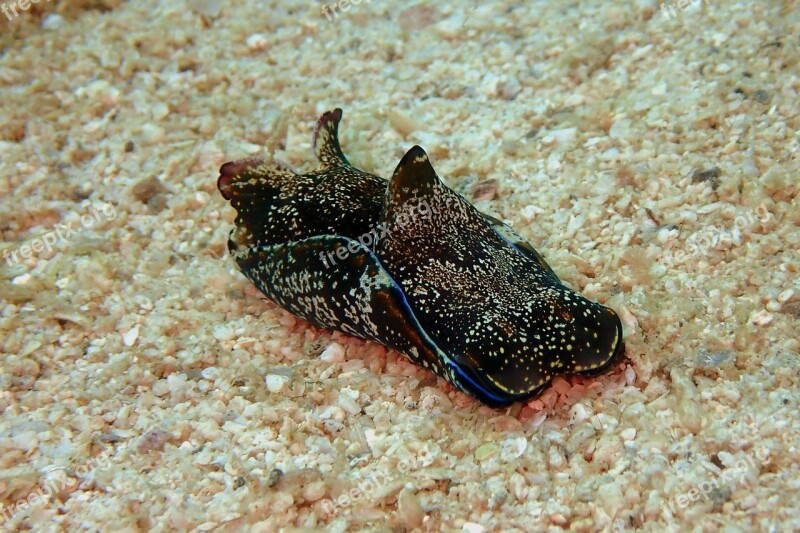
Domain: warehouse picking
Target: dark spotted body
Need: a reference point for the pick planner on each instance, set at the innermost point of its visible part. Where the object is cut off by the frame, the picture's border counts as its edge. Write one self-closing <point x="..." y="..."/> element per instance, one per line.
<point x="455" y="290"/>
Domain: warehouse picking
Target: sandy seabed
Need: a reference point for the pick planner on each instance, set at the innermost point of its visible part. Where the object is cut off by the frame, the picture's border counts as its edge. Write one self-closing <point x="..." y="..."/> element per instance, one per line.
<point x="650" y="154"/>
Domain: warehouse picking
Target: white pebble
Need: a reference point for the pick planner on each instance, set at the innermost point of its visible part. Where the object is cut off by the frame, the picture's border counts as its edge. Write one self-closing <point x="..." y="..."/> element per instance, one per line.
<point x="211" y="373"/>
<point x="564" y="136"/>
<point x="785" y="296"/>
<point x="723" y="68"/>
<point x="513" y="448"/>
<point x="314" y="491"/>
<point x="53" y="22"/>
<point x="152" y="134"/>
<point x="22" y="279"/>
<point x="347" y="403"/>
<point x="177" y="383"/>
<point x="129" y="339"/>
<point x="160" y="387"/>
<point x="159" y="110"/>
<point x="630" y="375"/>
<point x="275" y="382"/>
<point x="579" y="413"/>
<point x="749" y="502"/>
<point x="333" y="354"/>
<point x="26" y="441"/>
<point x="762" y="318"/>
<point x="353" y="393"/>
<point x="223" y="333"/>
<point x="257" y="42"/>
<point x="529" y="212"/>
<point x="556" y="459"/>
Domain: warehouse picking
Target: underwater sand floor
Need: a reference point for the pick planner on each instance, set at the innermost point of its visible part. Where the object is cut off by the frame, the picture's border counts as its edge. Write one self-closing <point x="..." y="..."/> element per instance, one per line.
<point x="651" y="156"/>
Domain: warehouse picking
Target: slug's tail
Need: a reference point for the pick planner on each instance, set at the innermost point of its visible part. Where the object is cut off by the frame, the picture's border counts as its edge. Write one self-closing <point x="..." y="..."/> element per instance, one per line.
<point x="254" y="186"/>
<point x="326" y="140"/>
<point x="276" y="205"/>
<point x="245" y="178"/>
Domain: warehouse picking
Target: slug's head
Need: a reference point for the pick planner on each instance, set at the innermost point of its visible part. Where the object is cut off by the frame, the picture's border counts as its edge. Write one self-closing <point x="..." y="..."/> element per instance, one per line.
<point x="511" y="357"/>
<point x="504" y="321"/>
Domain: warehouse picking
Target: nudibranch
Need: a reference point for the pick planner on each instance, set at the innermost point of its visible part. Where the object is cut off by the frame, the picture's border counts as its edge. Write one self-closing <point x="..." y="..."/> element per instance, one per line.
<point x="412" y="265"/>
